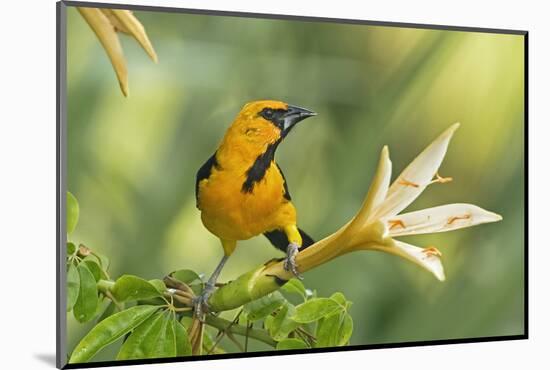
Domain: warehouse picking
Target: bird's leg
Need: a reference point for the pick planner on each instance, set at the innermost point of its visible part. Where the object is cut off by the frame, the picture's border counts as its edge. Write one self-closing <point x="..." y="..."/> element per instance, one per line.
<point x="289" y="263"/>
<point x="295" y="242"/>
<point x="201" y="302"/>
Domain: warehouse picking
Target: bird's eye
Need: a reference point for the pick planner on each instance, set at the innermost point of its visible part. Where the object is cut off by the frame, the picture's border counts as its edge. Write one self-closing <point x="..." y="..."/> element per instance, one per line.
<point x="268" y="113"/>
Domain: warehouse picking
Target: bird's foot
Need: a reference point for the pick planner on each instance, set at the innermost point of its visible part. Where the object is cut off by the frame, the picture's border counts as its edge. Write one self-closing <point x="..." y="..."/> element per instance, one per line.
<point x="200" y="302"/>
<point x="289" y="263"/>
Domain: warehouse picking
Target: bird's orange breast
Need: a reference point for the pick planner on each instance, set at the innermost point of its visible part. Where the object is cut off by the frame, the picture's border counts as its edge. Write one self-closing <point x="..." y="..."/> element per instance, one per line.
<point x="232" y="214"/>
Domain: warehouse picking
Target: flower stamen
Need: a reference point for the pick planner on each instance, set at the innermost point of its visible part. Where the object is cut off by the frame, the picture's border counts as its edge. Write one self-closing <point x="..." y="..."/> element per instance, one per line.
<point x="396" y="223"/>
<point x="406" y="182"/>
<point x="432" y="251"/>
<point x="456" y="218"/>
<point x="440" y="179"/>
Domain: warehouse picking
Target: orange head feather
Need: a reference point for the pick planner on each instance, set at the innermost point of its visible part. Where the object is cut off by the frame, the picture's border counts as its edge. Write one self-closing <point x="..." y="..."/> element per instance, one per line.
<point x="260" y="124"/>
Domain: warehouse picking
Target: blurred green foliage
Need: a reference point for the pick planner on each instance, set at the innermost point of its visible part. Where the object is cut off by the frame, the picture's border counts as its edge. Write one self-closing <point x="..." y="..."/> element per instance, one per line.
<point x="132" y="161"/>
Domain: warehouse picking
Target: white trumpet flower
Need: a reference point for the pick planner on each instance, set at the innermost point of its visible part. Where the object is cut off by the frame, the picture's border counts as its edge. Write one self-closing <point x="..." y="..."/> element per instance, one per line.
<point x="380" y="214"/>
<point x="374" y="227"/>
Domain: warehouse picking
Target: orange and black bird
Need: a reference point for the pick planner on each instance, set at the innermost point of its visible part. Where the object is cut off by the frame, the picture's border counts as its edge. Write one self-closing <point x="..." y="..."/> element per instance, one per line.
<point x="242" y="192"/>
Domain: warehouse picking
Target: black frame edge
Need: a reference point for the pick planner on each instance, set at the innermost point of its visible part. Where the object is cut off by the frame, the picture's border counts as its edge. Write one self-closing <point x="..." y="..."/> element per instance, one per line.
<point x="61" y="97"/>
<point x="526" y="190"/>
<point x="293" y="352"/>
<point x="292" y="17"/>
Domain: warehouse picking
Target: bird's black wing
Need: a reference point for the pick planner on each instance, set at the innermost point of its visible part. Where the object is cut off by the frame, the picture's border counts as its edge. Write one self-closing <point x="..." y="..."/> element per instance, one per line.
<point x="280" y="241"/>
<point x="204" y="173"/>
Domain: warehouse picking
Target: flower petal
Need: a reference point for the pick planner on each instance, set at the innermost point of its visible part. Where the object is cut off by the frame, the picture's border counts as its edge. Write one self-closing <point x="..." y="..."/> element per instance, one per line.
<point x="424" y="257"/>
<point x="132" y="26"/>
<point x="439" y="219"/>
<point x="414" y="179"/>
<point x="106" y="34"/>
<point x="378" y="188"/>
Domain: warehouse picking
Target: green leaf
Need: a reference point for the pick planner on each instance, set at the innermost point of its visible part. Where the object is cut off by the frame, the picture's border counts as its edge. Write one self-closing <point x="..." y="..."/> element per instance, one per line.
<point x="208" y="343"/>
<point x="109" y="330"/>
<point x="155" y="338"/>
<point x="291" y="343"/>
<point x="142" y="339"/>
<point x="314" y="309"/>
<point x="243" y="320"/>
<point x="159" y="285"/>
<point x="103" y="260"/>
<point x="71" y="248"/>
<point x="334" y="330"/>
<point x="94" y="268"/>
<point x="263" y="306"/>
<point x="282" y="323"/>
<point x="183" y="346"/>
<point x="327" y="329"/>
<point x="339" y="297"/>
<point x="108" y="311"/>
<point x="186" y="321"/>
<point x="72" y="213"/>
<point x="190" y="278"/>
<point x="152" y="301"/>
<point x="133" y="288"/>
<point x="166" y="346"/>
<point x="196" y="288"/>
<point x="268" y="322"/>
<point x="346" y="329"/>
<point x="295" y="286"/>
<point x="73" y="286"/>
<point x="101" y="305"/>
<point x="86" y="304"/>
<point x="185" y="276"/>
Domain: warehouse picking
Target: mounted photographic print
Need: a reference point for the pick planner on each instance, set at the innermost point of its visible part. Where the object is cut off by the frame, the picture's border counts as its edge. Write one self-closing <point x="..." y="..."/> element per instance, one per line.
<point x="236" y="185"/>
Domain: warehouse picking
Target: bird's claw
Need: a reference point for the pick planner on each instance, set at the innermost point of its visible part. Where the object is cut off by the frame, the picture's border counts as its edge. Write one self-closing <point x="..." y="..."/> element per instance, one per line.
<point x="200" y="303"/>
<point x="289" y="263"/>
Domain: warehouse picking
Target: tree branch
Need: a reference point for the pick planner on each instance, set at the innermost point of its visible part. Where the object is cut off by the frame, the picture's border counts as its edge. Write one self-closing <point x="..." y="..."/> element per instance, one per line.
<point x="223" y="324"/>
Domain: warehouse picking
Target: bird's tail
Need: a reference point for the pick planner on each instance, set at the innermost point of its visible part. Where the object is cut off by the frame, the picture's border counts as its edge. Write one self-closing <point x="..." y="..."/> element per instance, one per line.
<point x="280" y="241"/>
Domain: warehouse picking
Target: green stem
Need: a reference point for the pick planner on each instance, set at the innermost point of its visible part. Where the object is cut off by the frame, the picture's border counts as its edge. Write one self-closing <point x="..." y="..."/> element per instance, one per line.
<point x="272" y="275"/>
<point x="223" y="324"/>
<point x="105" y="286"/>
<point x="246" y="288"/>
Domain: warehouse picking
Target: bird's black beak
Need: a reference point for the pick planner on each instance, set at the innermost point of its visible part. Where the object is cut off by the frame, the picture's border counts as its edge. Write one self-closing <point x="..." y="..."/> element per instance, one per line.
<point x="293" y="115"/>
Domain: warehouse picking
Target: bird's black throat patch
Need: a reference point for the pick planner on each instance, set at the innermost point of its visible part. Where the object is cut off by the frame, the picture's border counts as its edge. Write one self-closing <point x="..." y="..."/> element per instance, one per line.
<point x="286" y="193"/>
<point x="257" y="171"/>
